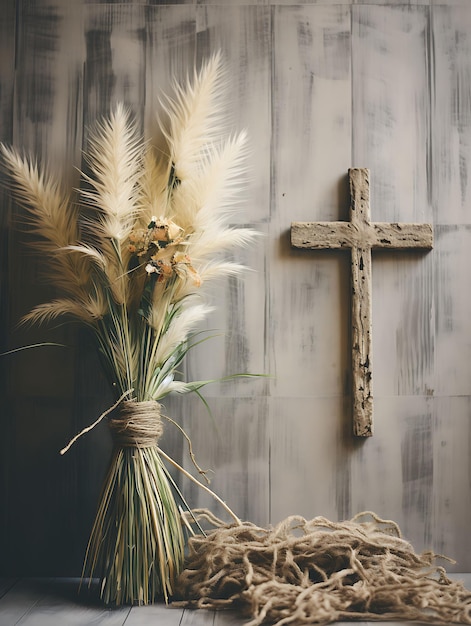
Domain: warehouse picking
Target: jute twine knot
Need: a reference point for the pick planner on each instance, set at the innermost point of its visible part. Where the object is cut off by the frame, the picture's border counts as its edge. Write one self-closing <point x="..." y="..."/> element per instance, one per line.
<point x="136" y="424"/>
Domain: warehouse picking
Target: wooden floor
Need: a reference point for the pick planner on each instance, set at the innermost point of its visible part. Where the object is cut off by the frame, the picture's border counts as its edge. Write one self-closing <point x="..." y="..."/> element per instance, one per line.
<point x="55" y="602"/>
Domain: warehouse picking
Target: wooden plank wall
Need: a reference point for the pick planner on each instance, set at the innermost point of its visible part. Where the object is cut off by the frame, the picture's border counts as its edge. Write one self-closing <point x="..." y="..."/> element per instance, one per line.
<point x="321" y="86"/>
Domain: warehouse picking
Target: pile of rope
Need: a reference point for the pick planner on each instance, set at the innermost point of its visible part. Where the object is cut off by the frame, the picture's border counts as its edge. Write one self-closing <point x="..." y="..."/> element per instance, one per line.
<point x="318" y="571"/>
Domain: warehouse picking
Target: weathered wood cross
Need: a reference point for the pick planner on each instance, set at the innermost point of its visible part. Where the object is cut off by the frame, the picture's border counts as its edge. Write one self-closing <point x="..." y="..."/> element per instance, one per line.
<point x="360" y="235"/>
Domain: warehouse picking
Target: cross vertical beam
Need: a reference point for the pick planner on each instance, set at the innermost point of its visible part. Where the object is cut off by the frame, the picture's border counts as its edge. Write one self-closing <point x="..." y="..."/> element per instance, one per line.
<point x="360" y="236"/>
<point x="361" y="282"/>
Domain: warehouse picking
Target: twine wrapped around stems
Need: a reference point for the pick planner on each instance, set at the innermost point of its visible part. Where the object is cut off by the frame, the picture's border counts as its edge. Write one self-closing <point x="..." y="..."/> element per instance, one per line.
<point x="137" y="542"/>
<point x="137" y="424"/>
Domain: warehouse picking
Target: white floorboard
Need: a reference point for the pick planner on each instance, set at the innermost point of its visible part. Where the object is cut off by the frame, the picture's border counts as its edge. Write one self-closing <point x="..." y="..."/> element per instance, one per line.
<point x="55" y="602"/>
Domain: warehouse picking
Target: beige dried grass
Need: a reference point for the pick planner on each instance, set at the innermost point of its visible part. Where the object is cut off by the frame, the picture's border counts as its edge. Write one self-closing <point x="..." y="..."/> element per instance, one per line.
<point x="129" y="252"/>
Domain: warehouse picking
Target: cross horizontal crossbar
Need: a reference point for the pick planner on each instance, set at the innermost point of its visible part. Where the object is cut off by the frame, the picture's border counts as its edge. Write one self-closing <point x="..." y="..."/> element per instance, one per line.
<point x="375" y="235"/>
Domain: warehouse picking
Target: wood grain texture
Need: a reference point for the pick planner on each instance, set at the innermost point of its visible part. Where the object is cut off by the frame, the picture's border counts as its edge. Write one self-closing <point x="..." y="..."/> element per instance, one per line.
<point x="156" y="614"/>
<point x="391" y="108"/>
<point x="243" y="35"/>
<point x="21" y="598"/>
<point x="451" y="308"/>
<point x="321" y="87"/>
<point x="233" y="445"/>
<point x="59" y="603"/>
<point x="66" y="608"/>
<point x="306" y="456"/>
<point x="451" y="115"/>
<point x="307" y="332"/>
<point x="170" y="45"/>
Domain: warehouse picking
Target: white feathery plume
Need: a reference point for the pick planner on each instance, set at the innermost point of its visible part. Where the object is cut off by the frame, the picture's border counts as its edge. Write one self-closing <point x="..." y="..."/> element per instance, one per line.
<point x="216" y="269"/>
<point x="53" y="216"/>
<point x="224" y="176"/>
<point x="49" y="207"/>
<point x="56" y="308"/>
<point x="196" y="114"/>
<point x="129" y="185"/>
<point x="91" y="253"/>
<point x="208" y="197"/>
<point x="115" y="156"/>
<point x="179" y="329"/>
<point x="211" y="242"/>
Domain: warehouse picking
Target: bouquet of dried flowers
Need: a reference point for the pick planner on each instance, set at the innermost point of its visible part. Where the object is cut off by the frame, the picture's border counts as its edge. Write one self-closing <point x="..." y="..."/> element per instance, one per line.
<point x="130" y="255"/>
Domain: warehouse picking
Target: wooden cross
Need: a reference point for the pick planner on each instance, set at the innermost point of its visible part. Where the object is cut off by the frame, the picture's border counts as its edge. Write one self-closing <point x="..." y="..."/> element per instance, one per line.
<point x="360" y="236"/>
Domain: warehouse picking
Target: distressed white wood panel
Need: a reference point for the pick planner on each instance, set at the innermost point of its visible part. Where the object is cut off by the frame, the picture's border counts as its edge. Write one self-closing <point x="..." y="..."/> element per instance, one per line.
<point x="451" y="114"/>
<point x="309" y="324"/>
<point x="403" y="323"/>
<point x="312" y="111"/>
<point x="233" y="444"/>
<point x="452" y="479"/>
<point x="453" y="311"/>
<point x="393" y="474"/>
<point x="393" y="2"/>
<point x="305" y="456"/>
<point x="391" y="68"/>
<point x="391" y="112"/>
<point x="417" y="463"/>
<point x="309" y="293"/>
<point x="451" y="3"/>
<point x="352" y="2"/>
<point x="236" y="328"/>
<point x="170" y="53"/>
<point x="416" y="470"/>
<point x="231" y="3"/>
<point x="114" y="69"/>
